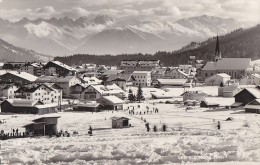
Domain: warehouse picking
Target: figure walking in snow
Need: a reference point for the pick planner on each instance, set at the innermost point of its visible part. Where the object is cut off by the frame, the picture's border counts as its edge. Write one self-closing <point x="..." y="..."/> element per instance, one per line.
<point x="164" y="128"/>
<point x="147" y="127"/>
<point x="90" y="131"/>
<point x="218" y="125"/>
<point x="154" y="129"/>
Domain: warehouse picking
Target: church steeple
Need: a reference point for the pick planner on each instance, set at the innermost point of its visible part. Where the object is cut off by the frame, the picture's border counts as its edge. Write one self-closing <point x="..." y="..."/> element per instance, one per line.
<point x="217" y="51"/>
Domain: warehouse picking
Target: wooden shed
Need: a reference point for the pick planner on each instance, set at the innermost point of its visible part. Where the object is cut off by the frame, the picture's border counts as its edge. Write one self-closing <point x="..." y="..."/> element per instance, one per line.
<point x="253" y="106"/>
<point x="206" y="104"/>
<point x="247" y="95"/>
<point x="120" y="122"/>
<point x="50" y="124"/>
<point x="35" y="129"/>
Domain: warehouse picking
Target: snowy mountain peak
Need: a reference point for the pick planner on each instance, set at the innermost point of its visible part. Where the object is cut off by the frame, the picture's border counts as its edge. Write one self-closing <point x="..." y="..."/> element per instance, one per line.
<point x="65" y="36"/>
<point x="102" y="19"/>
<point x="43" y="29"/>
<point x="12" y="53"/>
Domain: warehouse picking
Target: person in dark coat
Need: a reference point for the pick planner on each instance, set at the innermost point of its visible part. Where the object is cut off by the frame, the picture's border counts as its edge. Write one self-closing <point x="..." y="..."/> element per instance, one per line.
<point x="90" y="131"/>
<point x="164" y="128"/>
<point x="154" y="129"/>
<point x="218" y="125"/>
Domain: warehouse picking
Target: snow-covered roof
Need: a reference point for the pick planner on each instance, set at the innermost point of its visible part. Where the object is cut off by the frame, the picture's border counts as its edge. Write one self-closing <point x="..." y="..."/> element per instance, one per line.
<point x="228" y="64"/>
<point x="54" y="79"/>
<point x="63" y="65"/>
<point x="255" y="75"/>
<point x="23" y="75"/>
<point x="142" y="72"/>
<point x="224" y="75"/>
<point x="31" y="88"/>
<point x="65" y="79"/>
<point x="111" y="72"/>
<point x="23" y="102"/>
<point x="172" y="81"/>
<point x="118" y="118"/>
<point x="125" y="77"/>
<point x="161" y="95"/>
<point x="109" y="89"/>
<point x="113" y="99"/>
<point x="91" y="80"/>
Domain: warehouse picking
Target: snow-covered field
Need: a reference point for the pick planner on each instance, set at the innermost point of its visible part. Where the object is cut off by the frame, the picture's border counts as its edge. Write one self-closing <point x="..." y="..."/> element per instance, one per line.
<point x="191" y="137"/>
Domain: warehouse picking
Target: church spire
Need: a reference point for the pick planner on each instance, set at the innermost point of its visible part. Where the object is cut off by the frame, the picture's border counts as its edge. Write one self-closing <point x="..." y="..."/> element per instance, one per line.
<point x="217" y="51"/>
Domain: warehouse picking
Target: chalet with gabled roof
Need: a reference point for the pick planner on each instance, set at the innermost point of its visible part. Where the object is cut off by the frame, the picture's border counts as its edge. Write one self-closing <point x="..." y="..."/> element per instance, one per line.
<point x="58" y="68"/>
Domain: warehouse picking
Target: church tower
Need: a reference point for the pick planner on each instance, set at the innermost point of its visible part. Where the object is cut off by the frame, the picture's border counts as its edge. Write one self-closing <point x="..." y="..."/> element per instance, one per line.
<point x="217" y="51"/>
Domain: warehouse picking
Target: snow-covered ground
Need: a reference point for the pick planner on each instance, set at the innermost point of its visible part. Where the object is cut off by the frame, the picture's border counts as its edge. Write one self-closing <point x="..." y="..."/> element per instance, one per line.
<point x="191" y="136"/>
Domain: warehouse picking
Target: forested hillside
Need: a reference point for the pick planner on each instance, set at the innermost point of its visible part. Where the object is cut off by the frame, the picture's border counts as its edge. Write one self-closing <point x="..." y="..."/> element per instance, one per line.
<point x="240" y="43"/>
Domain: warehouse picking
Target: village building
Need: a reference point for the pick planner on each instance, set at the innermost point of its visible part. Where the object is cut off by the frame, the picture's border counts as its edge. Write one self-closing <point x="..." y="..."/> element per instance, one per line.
<point x="252" y="70"/>
<point x="90" y="106"/>
<point x="13" y="65"/>
<point x="232" y="90"/>
<point x="199" y="65"/>
<point x="64" y="82"/>
<point x="142" y="78"/>
<point x="90" y="80"/>
<point x="85" y="68"/>
<point x="111" y="103"/>
<point x="123" y="81"/>
<point x="7" y="91"/>
<point x="247" y="95"/>
<point x="21" y="78"/>
<point x="76" y="90"/>
<point x="157" y="73"/>
<point x="120" y="122"/>
<point x="32" y="68"/>
<point x="58" y="68"/>
<point x="40" y="92"/>
<point x="27" y="107"/>
<point x="95" y="92"/>
<point x="132" y="65"/>
<point x="253" y="79"/>
<point x="175" y="73"/>
<point x="194" y="95"/>
<point x="173" y="82"/>
<point x="253" y="106"/>
<point x="217" y="79"/>
<point x="102" y="68"/>
<point x="235" y="67"/>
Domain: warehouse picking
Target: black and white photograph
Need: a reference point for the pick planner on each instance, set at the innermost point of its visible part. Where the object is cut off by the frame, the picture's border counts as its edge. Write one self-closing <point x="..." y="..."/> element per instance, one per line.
<point x="127" y="82"/>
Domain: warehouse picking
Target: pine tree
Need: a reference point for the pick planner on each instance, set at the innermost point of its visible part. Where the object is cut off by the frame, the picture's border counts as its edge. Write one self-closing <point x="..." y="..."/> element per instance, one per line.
<point x="130" y="95"/>
<point x="139" y="96"/>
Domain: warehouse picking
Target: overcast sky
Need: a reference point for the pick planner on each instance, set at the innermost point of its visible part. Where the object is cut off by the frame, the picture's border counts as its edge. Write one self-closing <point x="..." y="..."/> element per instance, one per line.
<point x="171" y="10"/>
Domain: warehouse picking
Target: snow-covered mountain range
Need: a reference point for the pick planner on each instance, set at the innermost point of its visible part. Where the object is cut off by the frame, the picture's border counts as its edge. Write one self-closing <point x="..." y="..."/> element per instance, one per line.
<point x="9" y="52"/>
<point x="104" y="35"/>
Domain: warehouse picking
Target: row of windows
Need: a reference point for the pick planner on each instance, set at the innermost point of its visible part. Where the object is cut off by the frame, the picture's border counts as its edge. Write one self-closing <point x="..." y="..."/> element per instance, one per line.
<point x="143" y="84"/>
